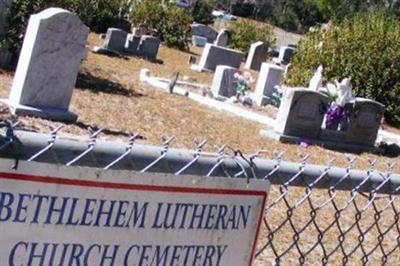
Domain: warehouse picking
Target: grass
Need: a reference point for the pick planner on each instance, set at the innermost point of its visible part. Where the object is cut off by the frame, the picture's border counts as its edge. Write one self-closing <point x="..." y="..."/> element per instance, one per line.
<point x="109" y="95"/>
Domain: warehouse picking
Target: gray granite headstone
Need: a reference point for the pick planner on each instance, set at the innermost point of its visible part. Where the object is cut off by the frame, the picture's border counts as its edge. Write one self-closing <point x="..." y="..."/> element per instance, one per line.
<point x="204" y="31"/>
<point x="301" y="113"/>
<point x="148" y="46"/>
<point x="364" y="122"/>
<point x="199" y="41"/>
<point x="257" y="55"/>
<point x="132" y="44"/>
<point x="222" y="38"/>
<point x="139" y="31"/>
<point x="270" y="76"/>
<point x="214" y="55"/>
<point x="285" y="54"/>
<point x="52" y="51"/>
<point x="223" y="81"/>
<point x="3" y="11"/>
<point x="115" y="40"/>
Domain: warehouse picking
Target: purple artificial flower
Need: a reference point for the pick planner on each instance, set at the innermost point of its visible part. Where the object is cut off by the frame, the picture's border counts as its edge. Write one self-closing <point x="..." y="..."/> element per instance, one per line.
<point x="333" y="116"/>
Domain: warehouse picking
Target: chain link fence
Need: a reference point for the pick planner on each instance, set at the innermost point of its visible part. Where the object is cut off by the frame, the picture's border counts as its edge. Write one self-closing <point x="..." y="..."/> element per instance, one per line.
<point x="315" y="214"/>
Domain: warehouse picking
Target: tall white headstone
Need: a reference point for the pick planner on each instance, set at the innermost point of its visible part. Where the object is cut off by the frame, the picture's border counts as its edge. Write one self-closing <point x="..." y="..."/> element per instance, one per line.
<point x="52" y="51"/>
<point x="257" y="55"/>
<point x="270" y="76"/>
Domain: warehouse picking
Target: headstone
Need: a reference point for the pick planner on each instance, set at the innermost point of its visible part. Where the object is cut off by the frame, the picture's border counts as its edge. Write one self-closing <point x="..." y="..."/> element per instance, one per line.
<point x="364" y="122"/>
<point x="204" y="31"/>
<point x="214" y="55"/>
<point x="257" y="55"/>
<point x="301" y="113"/>
<point x="139" y="31"/>
<point x="223" y="81"/>
<point x="270" y="76"/>
<point x="148" y="46"/>
<point x="285" y="54"/>
<point x="5" y="58"/>
<point x="4" y="5"/>
<point x="222" y="38"/>
<point x="199" y="41"/>
<point x="115" y="40"/>
<point x="132" y="44"/>
<point x="52" y="51"/>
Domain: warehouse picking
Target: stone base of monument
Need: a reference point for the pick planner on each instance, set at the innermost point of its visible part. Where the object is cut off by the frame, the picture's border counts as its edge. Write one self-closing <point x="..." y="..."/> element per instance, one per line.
<point x="105" y="51"/>
<point x="55" y="114"/>
<point x="198" y="68"/>
<point x="329" y="139"/>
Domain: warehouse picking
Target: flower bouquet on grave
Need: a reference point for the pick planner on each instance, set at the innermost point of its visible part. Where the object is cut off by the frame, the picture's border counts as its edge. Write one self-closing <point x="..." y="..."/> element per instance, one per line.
<point x="338" y="95"/>
<point x="242" y="83"/>
<point x="276" y="96"/>
<point x="334" y="114"/>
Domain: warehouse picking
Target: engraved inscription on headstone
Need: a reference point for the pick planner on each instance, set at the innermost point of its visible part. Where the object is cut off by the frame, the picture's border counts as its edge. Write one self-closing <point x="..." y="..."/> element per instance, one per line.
<point x="300" y="113"/>
<point x="364" y="122"/>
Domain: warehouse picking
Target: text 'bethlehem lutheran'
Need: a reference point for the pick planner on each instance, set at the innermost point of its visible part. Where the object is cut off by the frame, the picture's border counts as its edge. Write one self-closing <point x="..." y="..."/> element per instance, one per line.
<point x="61" y="211"/>
<point x="46" y="209"/>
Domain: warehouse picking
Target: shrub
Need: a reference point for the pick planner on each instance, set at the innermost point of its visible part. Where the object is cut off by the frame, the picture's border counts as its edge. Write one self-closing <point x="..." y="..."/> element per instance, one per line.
<point x="245" y="32"/>
<point x="243" y="9"/>
<point x="97" y="14"/>
<point x="202" y="13"/>
<point x="170" y="21"/>
<point x="148" y="12"/>
<point x="175" y="28"/>
<point x="365" y="48"/>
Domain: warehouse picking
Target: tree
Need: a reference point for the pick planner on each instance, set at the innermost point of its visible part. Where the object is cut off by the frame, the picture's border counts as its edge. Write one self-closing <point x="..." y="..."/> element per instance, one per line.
<point x="366" y="48"/>
<point x="202" y="13"/>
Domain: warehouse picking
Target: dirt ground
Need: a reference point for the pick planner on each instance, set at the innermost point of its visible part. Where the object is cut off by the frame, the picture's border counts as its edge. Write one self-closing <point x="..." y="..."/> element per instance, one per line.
<point x="109" y="95"/>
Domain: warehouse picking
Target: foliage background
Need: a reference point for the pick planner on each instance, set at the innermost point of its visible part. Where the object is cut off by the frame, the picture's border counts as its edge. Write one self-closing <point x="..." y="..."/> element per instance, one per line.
<point x="365" y="48"/>
<point x="170" y="22"/>
<point x="97" y="14"/>
<point x="245" y="32"/>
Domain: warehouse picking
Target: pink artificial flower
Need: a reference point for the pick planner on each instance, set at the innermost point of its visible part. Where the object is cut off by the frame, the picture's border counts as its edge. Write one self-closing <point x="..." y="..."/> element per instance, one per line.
<point x="303" y="145"/>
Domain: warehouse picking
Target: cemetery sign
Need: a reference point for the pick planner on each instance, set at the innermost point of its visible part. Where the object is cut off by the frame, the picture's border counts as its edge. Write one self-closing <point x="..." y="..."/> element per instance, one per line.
<point x="56" y="215"/>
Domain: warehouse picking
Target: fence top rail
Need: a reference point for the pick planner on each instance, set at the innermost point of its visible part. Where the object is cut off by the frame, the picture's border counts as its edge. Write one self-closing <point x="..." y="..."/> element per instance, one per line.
<point x="94" y="152"/>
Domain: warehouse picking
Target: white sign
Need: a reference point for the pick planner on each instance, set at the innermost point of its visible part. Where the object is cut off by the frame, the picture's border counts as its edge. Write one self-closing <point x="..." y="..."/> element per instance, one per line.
<point x="56" y="215"/>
